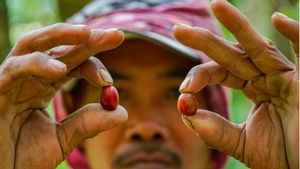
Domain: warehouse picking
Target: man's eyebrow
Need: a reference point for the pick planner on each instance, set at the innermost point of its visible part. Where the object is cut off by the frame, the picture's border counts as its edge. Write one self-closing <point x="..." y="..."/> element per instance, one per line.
<point x="180" y="72"/>
<point x="119" y="76"/>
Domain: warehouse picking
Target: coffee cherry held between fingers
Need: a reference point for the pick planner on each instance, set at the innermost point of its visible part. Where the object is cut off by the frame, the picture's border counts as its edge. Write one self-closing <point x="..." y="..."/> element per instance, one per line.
<point x="109" y="98"/>
<point x="187" y="104"/>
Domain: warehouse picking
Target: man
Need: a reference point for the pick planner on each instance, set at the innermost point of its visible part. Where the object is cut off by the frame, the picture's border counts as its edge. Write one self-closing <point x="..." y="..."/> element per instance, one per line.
<point x="147" y="70"/>
<point x="152" y="137"/>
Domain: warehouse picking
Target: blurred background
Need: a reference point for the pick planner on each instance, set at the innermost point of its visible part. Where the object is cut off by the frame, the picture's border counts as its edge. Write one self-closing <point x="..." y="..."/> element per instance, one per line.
<point x="17" y="16"/>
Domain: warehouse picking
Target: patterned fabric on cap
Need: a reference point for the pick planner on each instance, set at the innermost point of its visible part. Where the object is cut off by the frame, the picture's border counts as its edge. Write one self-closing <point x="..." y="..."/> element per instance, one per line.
<point x="157" y="16"/>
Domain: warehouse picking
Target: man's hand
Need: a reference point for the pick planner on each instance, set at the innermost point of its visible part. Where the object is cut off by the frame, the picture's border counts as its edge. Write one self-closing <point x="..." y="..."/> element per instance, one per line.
<point x="269" y="138"/>
<point x="29" y="79"/>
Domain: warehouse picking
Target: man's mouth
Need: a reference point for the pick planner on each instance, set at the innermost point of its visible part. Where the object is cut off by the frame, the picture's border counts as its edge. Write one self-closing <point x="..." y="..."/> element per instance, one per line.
<point x="147" y="157"/>
<point x="143" y="160"/>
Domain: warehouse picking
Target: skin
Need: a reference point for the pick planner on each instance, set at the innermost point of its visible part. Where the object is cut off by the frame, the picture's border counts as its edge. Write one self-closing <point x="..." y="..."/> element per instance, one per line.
<point x="28" y="81"/>
<point x="151" y="104"/>
<point x="268" y="139"/>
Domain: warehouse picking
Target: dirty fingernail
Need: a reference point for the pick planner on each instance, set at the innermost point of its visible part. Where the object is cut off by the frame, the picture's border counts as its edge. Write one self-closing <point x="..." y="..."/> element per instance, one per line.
<point x="79" y="26"/>
<point x="281" y="15"/>
<point x="187" y="121"/>
<point x="185" y="83"/>
<point x="58" y="64"/>
<point x="112" y="30"/>
<point x="106" y="76"/>
<point x="183" y="25"/>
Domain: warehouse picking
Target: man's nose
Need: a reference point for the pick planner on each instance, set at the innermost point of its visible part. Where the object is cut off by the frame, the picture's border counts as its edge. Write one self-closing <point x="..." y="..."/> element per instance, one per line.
<point x="147" y="131"/>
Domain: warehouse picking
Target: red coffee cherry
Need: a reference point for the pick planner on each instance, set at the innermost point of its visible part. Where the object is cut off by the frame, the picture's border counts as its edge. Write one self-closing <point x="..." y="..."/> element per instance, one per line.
<point x="109" y="98"/>
<point x="187" y="104"/>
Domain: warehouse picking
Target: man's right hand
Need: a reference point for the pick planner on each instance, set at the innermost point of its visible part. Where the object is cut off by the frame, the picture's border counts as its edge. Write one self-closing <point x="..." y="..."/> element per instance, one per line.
<point x="269" y="138"/>
<point x="29" y="79"/>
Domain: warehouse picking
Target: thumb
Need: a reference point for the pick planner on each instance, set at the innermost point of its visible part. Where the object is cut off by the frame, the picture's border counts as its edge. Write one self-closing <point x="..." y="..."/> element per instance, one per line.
<point x="86" y="123"/>
<point x="217" y="132"/>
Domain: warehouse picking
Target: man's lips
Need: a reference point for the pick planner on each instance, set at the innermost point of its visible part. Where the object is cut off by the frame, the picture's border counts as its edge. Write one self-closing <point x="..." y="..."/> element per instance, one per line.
<point x="143" y="160"/>
<point x="147" y="156"/>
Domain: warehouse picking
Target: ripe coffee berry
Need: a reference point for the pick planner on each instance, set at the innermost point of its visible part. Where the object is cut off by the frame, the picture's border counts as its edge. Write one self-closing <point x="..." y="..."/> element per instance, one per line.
<point x="109" y="98"/>
<point x="187" y="104"/>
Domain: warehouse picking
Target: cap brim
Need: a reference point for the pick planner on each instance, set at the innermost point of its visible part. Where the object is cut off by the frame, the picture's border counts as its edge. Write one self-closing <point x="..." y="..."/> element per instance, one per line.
<point x="163" y="41"/>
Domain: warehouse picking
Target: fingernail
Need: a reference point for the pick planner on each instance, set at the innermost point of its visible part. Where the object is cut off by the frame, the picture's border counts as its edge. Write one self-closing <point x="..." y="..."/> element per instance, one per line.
<point x="58" y="64"/>
<point x="186" y="120"/>
<point x="183" y="24"/>
<point x="112" y="30"/>
<point x="281" y="15"/>
<point x="106" y="76"/>
<point x="185" y="83"/>
<point x="79" y="26"/>
<point x="59" y="50"/>
<point x="187" y="123"/>
<point x="216" y="1"/>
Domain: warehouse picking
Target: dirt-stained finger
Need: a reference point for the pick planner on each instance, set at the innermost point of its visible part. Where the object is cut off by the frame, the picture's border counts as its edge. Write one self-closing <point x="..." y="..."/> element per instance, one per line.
<point x="100" y="40"/>
<point x="221" y="51"/>
<point x="34" y="64"/>
<point x="51" y="36"/>
<point x="209" y="73"/>
<point x="94" y="72"/>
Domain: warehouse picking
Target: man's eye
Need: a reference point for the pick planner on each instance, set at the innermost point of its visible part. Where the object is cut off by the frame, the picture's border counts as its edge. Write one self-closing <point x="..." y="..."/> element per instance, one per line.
<point x="172" y="93"/>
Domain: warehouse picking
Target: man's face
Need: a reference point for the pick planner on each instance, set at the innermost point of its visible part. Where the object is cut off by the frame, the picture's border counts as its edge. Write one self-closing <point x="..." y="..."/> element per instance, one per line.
<point x="154" y="137"/>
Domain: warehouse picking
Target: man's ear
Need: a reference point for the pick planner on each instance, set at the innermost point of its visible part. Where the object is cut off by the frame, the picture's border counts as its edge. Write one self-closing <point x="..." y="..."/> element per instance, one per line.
<point x="67" y="8"/>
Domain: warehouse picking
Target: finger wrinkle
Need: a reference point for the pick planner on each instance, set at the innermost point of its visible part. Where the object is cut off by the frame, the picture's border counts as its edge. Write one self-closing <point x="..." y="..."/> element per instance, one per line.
<point x="244" y="85"/>
<point x="225" y="76"/>
<point x="90" y="45"/>
<point x="59" y="134"/>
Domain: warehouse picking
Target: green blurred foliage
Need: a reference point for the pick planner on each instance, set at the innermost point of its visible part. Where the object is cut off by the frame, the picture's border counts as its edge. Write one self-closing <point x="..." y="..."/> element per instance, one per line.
<point x="25" y="15"/>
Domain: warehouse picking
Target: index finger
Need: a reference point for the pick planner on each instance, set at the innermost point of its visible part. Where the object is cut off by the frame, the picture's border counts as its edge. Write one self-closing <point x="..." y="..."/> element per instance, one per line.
<point x="238" y="25"/>
<point x="99" y="41"/>
<point x="49" y="37"/>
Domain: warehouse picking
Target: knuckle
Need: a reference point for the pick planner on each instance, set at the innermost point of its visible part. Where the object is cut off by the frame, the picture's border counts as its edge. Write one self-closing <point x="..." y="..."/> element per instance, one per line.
<point x="207" y="33"/>
<point x="24" y="38"/>
<point x="266" y="47"/>
<point x="9" y="65"/>
<point x="37" y="58"/>
<point x="24" y="35"/>
<point x="37" y="54"/>
<point x="268" y="42"/>
<point x="59" y="26"/>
